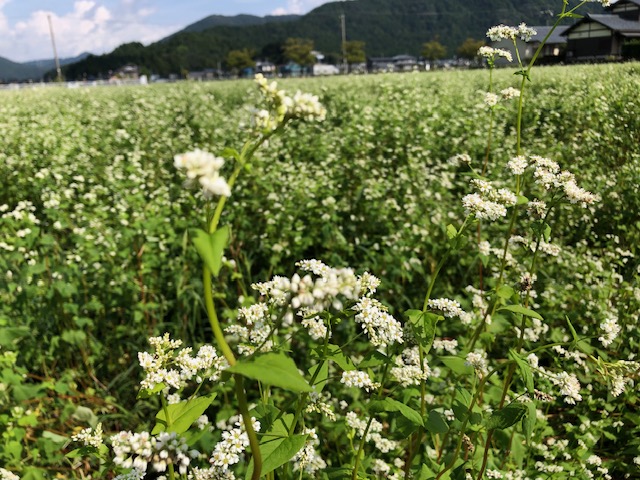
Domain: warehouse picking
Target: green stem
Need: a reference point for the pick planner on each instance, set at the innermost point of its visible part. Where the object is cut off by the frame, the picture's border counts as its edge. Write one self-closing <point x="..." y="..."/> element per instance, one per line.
<point x="248" y="425"/>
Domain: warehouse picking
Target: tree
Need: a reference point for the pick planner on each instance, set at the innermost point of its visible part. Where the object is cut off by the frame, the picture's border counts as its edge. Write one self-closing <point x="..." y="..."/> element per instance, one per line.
<point x="299" y="50"/>
<point x="354" y="51"/>
<point x="469" y="48"/>
<point x="238" y="60"/>
<point x="433" y="50"/>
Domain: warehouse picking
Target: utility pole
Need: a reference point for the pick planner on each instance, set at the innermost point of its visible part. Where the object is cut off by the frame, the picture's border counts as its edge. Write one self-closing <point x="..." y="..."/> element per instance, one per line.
<point x="344" y="43"/>
<point x="55" y="50"/>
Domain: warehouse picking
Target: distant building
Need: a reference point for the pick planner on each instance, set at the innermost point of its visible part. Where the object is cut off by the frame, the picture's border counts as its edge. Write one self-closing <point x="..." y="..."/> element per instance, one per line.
<point x="266" y="68"/>
<point x="609" y="36"/>
<point x="399" y="63"/>
<point x="324" y="69"/>
<point x="552" y="52"/>
<point x="204" y="75"/>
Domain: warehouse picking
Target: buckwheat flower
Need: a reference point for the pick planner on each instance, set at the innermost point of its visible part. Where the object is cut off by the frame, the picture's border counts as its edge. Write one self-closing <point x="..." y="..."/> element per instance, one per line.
<point x="610" y="329"/>
<point x="381" y="328"/>
<point x="569" y="387"/>
<point x="576" y="194"/>
<point x="460" y="158"/>
<point x="537" y="208"/>
<point x="449" y="308"/>
<point x="203" y="168"/>
<point x="478" y="360"/>
<point x="316" y="327"/>
<point x="494" y="474"/>
<point x="449" y="346"/>
<point x="604" y="3"/>
<point x="491" y="99"/>
<point x="408" y="370"/>
<point x="482" y="209"/>
<point x="89" y="437"/>
<point x="358" y="379"/>
<point x="308" y="459"/>
<point x="504" y="197"/>
<point x="525" y="33"/>
<point x="636" y="460"/>
<point x="502" y="32"/>
<point x="509" y="93"/>
<point x="490" y="53"/>
<point x="381" y="468"/>
<point x="134" y="474"/>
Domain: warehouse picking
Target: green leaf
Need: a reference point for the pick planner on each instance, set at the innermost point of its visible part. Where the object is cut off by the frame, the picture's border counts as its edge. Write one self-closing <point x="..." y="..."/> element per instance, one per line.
<point x="150" y="392"/>
<point x="182" y="415"/>
<point x="451" y="232"/>
<point x="457" y="365"/>
<point x="505" y="292"/>
<point x="522" y="200"/>
<point x="277" y="452"/>
<point x="507" y="416"/>
<point x="391" y="405"/>
<point x="529" y="421"/>
<point x="525" y="369"/>
<point x="210" y="247"/>
<point x="54" y="437"/>
<point x="424" y="327"/>
<point x="336" y="355"/>
<point x="527" y="312"/>
<point x="274" y="369"/>
<point x="373" y="359"/>
<point x="436" y="423"/>
<point x="11" y="335"/>
<point x="322" y="376"/>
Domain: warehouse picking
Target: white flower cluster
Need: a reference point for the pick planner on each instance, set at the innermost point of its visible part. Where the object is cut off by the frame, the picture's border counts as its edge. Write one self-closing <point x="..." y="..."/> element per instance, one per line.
<point x="503" y="32"/>
<point x="382" y="444"/>
<point x="89" y="437"/>
<point x="518" y="164"/>
<point x="604" y="3"/>
<point x="319" y="403"/>
<point x="610" y="329"/>
<point x="491" y="53"/>
<point x="203" y="168"/>
<point x="408" y="370"/>
<point x="307" y="459"/>
<point x="320" y="293"/>
<point x="547" y="173"/>
<point x="460" y="158"/>
<point x="256" y="332"/>
<point x="492" y="99"/>
<point x="569" y="387"/>
<point x="478" y="360"/>
<point x="314" y="324"/>
<point x="488" y="203"/>
<point x="157" y="366"/>
<point x="233" y="444"/>
<point x="449" y="308"/>
<point x="448" y="345"/>
<point x="380" y="326"/>
<point x="621" y="375"/>
<point x="358" y="379"/>
<point x="282" y="107"/>
<point x="7" y="475"/>
<point x="138" y="450"/>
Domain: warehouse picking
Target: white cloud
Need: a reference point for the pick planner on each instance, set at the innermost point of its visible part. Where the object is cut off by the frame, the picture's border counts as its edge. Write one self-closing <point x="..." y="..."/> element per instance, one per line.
<point x="89" y="26"/>
<point x="297" y="7"/>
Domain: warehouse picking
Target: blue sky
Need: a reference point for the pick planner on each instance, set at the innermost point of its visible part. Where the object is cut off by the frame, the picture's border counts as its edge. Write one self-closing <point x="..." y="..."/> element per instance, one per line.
<point x="98" y="26"/>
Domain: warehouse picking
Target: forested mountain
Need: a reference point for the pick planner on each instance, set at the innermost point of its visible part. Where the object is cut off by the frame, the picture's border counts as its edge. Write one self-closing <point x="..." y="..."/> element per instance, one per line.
<point x="388" y="27"/>
<point x="236" y="21"/>
<point x="33" y="70"/>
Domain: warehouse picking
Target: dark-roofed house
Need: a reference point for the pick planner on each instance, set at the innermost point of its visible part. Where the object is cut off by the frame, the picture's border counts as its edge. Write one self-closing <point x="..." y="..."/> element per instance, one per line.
<point x="605" y="36"/>
<point x="552" y="52"/>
